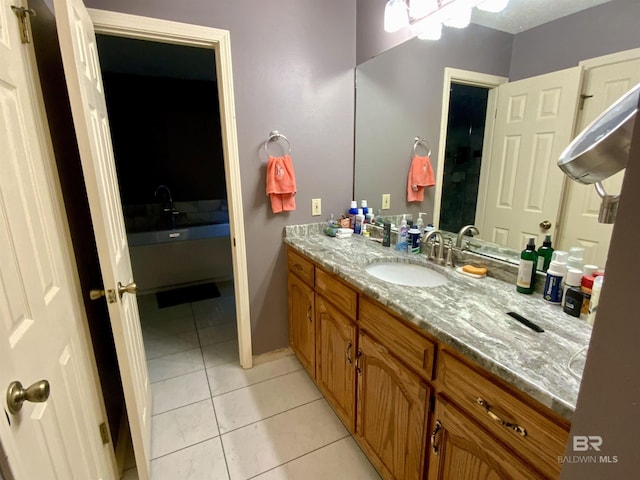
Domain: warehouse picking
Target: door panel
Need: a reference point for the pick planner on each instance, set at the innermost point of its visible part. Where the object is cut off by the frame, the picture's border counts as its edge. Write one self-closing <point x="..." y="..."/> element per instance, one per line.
<point x="524" y="186"/>
<point x="391" y="410"/>
<point x="335" y="356"/>
<point x="301" y="323"/>
<point x="580" y="227"/>
<point x="86" y="93"/>
<point x="42" y="331"/>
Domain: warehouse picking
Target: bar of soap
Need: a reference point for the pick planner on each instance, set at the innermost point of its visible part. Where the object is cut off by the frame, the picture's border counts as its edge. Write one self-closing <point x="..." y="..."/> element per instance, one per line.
<point x="470" y="269"/>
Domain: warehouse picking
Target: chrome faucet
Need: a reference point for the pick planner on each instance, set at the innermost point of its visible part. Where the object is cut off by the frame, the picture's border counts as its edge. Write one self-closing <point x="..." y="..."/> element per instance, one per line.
<point x="463" y="231"/>
<point x="435" y="234"/>
<point x="167" y="204"/>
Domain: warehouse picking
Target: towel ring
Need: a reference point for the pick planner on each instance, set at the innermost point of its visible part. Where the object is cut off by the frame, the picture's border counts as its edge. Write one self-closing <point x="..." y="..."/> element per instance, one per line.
<point x="421" y="141"/>
<point x="273" y="137"/>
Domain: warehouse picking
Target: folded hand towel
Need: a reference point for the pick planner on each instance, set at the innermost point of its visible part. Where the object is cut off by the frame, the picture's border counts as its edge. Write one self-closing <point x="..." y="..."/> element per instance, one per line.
<point x="281" y="184"/>
<point x="420" y="176"/>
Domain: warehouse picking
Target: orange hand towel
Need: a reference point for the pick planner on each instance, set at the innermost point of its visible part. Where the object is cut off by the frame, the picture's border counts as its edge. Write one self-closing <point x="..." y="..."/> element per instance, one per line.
<point x="420" y="176"/>
<point x="281" y="184"/>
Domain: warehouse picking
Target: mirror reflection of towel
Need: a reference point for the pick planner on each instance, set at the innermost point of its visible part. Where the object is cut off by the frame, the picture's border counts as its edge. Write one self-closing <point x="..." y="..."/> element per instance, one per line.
<point x="420" y="176"/>
<point x="281" y="184"/>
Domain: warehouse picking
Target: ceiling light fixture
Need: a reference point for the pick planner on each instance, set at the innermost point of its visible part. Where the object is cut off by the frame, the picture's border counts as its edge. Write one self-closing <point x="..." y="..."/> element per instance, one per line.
<point x="395" y="16"/>
<point x="426" y="17"/>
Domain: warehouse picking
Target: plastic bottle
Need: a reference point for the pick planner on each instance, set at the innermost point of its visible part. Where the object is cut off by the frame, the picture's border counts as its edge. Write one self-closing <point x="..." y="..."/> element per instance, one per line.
<point x="414" y="239"/>
<point x="527" y="268"/>
<point x="589" y="270"/>
<point x="595" y="299"/>
<point x="576" y="255"/>
<point x="369" y="217"/>
<point x="353" y="211"/>
<point x="386" y="235"/>
<point x="363" y="206"/>
<point x="401" y="244"/>
<point x="544" y="254"/>
<point x="555" y="275"/>
<point x="420" y="223"/>
<point x="586" y="285"/>
<point x="572" y="294"/>
<point x="359" y="222"/>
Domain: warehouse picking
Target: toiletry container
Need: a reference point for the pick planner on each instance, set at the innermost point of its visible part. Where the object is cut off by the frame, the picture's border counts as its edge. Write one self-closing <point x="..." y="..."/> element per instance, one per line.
<point x="386" y="234"/>
<point x="552" y="292"/>
<point x="586" y="286"/>
<point x="544" y="255"/>
<point x="572" y="293"/>
<point x="576" y="255"/>
<point x="527" y="268"/>
<point x="359" y="222"/>
<point x="401" y="244"/>
<point x="414" y="240"/>
<point x="589" y="270"/>
<point x="595" y="299"/>
<point x="363" y="206"/>
<point x="353" y="211"/>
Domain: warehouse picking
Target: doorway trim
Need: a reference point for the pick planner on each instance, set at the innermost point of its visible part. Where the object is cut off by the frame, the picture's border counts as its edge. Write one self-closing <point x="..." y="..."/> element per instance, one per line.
<point x="464" y="77"/>
<point x="165" y="31"/>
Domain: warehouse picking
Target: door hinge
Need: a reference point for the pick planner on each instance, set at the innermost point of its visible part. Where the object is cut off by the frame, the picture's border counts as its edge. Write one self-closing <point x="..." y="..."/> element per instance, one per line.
<point x="23" y="15"/>
<point x="104" y="433"/>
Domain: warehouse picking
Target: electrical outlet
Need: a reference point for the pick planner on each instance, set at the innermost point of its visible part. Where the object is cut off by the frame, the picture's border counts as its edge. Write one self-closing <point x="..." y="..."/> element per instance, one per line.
<point x="316" y="207"/>
<point x="386" y="201"/>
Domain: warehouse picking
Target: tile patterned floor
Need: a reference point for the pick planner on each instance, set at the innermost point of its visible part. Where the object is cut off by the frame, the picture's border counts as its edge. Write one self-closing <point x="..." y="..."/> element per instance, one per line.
<point x="213" y="420"/>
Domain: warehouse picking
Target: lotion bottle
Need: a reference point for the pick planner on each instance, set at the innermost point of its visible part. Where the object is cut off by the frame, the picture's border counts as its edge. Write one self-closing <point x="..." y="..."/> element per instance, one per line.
<point x="401" y="244"/>
<point x="555" y="276"/>
<point x="527" y="268"/>
<point x="544" y="254"/>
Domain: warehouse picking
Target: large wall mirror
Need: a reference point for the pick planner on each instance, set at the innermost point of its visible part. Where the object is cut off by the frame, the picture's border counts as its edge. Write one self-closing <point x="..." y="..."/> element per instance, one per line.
<point x="550" y="80"/>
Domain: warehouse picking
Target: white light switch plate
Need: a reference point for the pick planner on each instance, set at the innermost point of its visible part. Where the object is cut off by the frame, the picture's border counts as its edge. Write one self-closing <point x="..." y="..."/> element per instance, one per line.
<point x="316" y="207"/>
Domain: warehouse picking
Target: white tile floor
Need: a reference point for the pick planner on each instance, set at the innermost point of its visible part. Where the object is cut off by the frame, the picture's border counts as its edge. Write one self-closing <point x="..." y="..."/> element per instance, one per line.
<point x="213" y="420"/>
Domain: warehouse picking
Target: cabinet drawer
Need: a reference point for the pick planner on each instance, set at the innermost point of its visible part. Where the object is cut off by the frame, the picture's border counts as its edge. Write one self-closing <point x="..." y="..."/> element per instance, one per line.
<point x="408" y="345"/>
<point x="337" y="293"/>
<point x="487" y="402"/>
<point x="300" y="266"/>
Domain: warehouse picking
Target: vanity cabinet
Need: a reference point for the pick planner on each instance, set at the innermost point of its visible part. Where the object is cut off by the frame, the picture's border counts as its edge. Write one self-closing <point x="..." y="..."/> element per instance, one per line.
<point x="392" y="412"/>
<point x="417" y="408"/>
<point x="460" y="449"/>
<point x="336" y="336"/>
<point x="302" y="336"/>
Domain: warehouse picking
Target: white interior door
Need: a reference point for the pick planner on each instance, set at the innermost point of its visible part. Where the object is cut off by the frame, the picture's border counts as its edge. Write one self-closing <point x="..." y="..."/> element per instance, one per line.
<point x="533" y="125"/>
<point x="42" y="326"/>
<point x="604" y="84"/>
<point x="86" y="93"/>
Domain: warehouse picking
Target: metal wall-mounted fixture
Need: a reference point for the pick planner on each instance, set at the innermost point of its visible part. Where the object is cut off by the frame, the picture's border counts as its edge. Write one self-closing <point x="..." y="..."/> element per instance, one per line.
<point x="426" y="17"/>
<point x="602" y="150"/>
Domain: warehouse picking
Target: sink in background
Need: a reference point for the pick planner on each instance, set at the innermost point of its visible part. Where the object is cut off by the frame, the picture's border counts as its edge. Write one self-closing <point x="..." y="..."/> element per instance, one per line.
<point x="408" y="274"/>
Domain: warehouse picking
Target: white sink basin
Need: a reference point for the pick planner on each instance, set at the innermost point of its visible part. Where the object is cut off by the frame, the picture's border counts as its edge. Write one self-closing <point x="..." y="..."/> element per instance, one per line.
<point x="406" y="274"/>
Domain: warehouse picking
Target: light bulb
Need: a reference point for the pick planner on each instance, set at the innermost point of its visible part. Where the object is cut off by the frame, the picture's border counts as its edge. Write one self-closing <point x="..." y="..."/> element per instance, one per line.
<point x="458" y="16"/>
<point x="430" y="30"/>
<point x="493" y="6"/>
<point x="421" y="8"/>
<point x="395" y="16"/>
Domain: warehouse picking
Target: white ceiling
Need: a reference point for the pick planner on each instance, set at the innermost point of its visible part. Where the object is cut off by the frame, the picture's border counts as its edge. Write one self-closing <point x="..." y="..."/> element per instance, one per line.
<point x="521" y="15"/>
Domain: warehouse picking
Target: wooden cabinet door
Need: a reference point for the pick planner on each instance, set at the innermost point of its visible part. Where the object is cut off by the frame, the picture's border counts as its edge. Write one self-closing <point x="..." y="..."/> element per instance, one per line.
<point x="301" y="323"/>
<point x="335" y="358"/>
<point x="391" y="410"/>
<point x="460" y="449"/>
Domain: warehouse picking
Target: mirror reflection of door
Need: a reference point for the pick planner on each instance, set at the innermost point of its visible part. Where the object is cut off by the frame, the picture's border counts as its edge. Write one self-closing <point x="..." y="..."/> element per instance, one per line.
<point x="463" y="155"/>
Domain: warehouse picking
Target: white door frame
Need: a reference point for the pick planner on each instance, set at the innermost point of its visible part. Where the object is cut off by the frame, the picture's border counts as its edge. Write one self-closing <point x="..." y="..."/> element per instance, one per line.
<point x="464" y="77"/>
<point x="145" y="28"/>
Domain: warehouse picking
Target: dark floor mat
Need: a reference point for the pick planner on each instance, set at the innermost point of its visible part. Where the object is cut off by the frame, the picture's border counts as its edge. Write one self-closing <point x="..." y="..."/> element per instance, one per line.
<point x="187" y="294"/>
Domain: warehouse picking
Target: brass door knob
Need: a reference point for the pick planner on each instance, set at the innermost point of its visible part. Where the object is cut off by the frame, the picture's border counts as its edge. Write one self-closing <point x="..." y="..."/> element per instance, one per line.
<point x="132" y="288"/>
<point x="546" y="225"/>
<point x="17" y="394"/>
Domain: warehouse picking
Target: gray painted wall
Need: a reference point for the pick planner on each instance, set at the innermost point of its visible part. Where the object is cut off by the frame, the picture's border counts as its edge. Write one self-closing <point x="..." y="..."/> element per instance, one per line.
<point x="601" y="30"/>
<point x="371" y="39"/>
<point x="295" y="74"/>
<point x="399" y="97"/>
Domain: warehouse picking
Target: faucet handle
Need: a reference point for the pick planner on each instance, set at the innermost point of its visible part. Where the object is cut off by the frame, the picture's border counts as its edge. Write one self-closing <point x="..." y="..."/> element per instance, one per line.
<point x="449" y="261"/>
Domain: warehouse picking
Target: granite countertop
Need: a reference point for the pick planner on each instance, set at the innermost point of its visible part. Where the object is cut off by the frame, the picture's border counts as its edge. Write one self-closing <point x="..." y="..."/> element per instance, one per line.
<point x="469" y="315"/>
